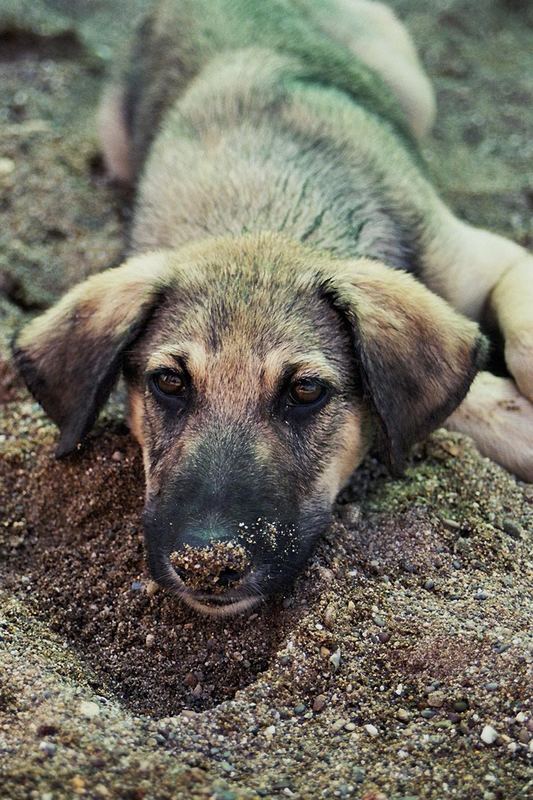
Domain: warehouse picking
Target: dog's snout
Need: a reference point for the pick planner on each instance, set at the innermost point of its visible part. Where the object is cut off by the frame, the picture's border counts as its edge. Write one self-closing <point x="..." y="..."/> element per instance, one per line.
<point x="212" y="569"/>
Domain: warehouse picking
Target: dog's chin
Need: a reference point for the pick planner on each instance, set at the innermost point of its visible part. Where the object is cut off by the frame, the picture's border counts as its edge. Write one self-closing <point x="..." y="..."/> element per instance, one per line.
<point x="220" y="606"/>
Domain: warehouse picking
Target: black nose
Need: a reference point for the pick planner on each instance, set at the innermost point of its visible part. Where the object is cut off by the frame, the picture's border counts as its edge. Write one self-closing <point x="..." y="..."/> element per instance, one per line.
<point x="212" y="569"/>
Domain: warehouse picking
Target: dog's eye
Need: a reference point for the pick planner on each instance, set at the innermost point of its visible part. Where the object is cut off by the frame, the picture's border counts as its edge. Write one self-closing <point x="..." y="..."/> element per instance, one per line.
<point x="305" y="392"/>
<point x="171" y="384"/>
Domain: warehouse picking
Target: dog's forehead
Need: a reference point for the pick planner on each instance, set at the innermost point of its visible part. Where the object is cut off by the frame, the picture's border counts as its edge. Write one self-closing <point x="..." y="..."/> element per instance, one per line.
<point x="256" y="315"/>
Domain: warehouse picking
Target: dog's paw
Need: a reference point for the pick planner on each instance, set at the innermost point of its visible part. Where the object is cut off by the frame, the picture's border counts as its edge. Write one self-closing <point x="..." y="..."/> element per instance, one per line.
<point x="500" y="421"/>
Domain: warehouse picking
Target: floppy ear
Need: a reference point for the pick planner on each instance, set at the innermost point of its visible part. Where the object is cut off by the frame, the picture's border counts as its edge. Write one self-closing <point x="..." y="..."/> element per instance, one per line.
<point x="71" y="356"/>
<point x="417" y="356"/>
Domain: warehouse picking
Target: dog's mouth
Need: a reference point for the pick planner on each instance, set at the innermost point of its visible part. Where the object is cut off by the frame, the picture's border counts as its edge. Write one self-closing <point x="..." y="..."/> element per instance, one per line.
<point x="238" y="600"/>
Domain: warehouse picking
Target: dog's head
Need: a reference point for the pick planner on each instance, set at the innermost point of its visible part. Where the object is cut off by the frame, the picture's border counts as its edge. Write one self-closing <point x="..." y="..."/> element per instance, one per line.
<point x="258" y="372"/>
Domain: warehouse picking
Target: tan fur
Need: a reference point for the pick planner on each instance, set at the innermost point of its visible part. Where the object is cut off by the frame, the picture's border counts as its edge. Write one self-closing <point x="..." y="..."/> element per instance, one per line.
<point x="136" y="415"/>
<point x="353" y="443"/>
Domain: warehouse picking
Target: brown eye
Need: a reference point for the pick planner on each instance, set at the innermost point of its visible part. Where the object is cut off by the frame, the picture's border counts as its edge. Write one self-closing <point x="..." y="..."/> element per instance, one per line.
<point x="306" y="391"/>
<point x="169" y="383"/>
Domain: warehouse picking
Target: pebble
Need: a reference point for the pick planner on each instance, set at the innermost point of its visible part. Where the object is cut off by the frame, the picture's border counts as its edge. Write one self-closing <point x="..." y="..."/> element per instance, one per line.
<point x="351" y="726"/>
<point x="481" y="595"/>
<point x="7" y="166"/>
<point x="384" y="637"/>
<point x="429" y="584"/>
<point x="151" y="588"/>
<point x="270" y="731"/>
<point x="117" y="456"/>
<point x="136" y="586"/>
<point x="492" y="686"/>
<point x="319" y="703"/>
<point x="403" y="715"/>
<point x="371" y="730"/>
<point x="460" y="705"/>
<point x="512" y="529"/>
<point x="335" y="659"/>
<point x="329" y="617"/>
<point x="150" y="640"/>
<point x="89" y="709"/>
<point x="436" y="699"/>
<point x="339" y="724"/>
<point x="489" y="734"/>
<point x="299" y="709"/>
<point x="379" y="621"/>
<point x="47" y="747"/>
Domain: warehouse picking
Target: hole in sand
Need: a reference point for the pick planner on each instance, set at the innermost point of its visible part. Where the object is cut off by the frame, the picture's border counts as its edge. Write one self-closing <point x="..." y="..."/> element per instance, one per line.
<point x="83" y="556"/>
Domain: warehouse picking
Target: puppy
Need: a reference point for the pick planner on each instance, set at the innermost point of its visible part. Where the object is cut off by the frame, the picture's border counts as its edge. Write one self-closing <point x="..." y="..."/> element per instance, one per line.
<point x="296" y="289"/>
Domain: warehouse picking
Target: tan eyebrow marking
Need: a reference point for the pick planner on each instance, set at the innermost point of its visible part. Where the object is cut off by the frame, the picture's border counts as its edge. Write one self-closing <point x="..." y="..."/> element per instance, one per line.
<point x="311" y="364"/>
<point x="194" y="355"/>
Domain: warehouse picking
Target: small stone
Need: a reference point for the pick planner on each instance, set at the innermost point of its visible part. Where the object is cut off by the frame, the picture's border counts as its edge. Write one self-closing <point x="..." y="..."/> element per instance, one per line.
<point x="150" y="640"/>
<point x="371" y="730"/>
<point x="270" y="731"/>
<point x="299" y="709"/>
<point x="190" y="680"/>
<point x="520" y="717"/>
<point x="452" y="524"/>
<point x="285" y="660"/>
<point x="151" y="588"/>
<point x="428" y="713"/>
<point x="89" y="709"/>
<point x="358" y="775"/>
<point x="136" y="586"/>
<point x="117" y="456"/>
<point x="338" y="725"/>
<point x="319" y="703"/>
<point x="330" y="616"/>
<point x="335" y="659"/>
<point x="7" y="166"/>
<point x="403" y="715"/>
<point x="384" y="637"/>
<point x="429" y="584"/>
<point x="524" y="736"/>
<point x="492" y="686"/>
<point x="460" y="706"/>
<point x="78" y="784"/>
<point x="481" y="595"/>
<point x="435" y="699"/>
<point x="489" y="734"/>
<point x="350" y="726"/>
<point x="379" y="621"/>
<point x="198" y="690"/>
<point x="49" y="748"/>
<point x="512" y="528"/>
<point x="101" y="790"/>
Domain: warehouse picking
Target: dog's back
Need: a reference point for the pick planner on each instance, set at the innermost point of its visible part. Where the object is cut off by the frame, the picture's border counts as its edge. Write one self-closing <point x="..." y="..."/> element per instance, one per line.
<point x="243" y="116"/>
<point x="178" y="40"/>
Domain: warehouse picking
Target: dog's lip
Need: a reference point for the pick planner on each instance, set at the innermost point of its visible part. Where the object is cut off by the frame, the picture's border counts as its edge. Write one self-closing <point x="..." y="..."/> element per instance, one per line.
<point x="225" y="605"/>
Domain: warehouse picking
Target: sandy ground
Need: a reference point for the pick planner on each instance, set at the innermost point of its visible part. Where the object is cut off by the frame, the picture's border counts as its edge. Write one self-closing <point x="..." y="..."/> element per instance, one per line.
<point x="399" y="667"/>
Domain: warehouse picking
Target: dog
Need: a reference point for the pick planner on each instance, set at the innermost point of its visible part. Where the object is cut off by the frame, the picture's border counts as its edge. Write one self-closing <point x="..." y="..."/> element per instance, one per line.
<point x="296" y="289"/>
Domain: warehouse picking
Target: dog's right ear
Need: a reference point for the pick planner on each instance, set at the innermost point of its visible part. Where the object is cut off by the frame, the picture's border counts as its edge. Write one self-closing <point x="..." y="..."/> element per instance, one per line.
<point x="70" y="357"/>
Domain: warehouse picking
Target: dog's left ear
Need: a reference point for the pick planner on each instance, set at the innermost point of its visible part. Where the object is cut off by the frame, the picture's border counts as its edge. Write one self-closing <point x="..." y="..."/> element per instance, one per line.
<point x="70" y="357"/>
<point x="417" y="356"/>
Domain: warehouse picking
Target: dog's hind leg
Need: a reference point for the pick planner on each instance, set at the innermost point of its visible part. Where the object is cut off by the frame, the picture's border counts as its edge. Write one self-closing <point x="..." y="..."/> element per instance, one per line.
<point x="488" y="277"/>
<point x="376" y="35"/>
<point x="500" y="421"/>
<point x="113" y="133"/>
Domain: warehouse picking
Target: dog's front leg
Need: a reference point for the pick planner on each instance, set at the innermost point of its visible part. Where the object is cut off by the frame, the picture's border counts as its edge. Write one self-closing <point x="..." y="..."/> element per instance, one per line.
<point x="487" y="276"/>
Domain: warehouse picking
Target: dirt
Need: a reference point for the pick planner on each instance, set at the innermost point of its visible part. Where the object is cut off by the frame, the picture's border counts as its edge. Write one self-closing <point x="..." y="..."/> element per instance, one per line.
<point x="399" y="666"/>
